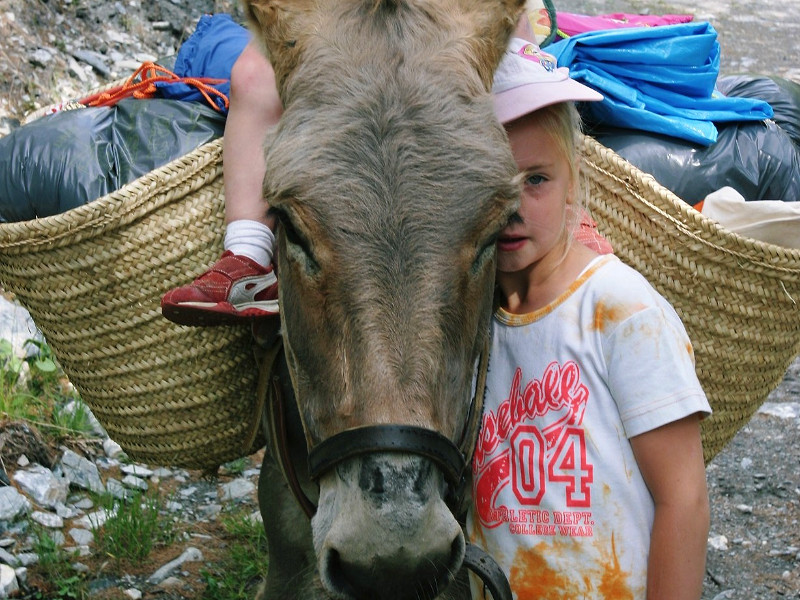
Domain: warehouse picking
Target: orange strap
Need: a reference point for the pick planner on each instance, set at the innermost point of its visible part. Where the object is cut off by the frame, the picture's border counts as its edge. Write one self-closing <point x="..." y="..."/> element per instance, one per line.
<point x="149" y="74"/>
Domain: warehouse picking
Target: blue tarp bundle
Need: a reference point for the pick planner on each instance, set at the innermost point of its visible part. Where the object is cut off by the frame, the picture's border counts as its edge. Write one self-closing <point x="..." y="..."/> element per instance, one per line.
<point x="209" y="52"/>
<point x="657" y="79"/>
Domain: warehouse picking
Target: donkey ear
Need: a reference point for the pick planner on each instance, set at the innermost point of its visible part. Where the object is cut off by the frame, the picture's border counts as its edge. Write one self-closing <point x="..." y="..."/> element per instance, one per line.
<point x="277" y="25"/>
<point x="494" y="22"/>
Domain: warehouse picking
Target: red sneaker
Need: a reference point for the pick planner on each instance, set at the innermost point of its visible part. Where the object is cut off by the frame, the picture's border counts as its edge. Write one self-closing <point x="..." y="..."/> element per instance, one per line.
<point x="233" y="290"/>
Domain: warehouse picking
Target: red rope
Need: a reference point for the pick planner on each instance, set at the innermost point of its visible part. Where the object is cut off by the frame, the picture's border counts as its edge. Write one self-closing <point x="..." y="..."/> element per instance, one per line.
<point x="149" y="74"/>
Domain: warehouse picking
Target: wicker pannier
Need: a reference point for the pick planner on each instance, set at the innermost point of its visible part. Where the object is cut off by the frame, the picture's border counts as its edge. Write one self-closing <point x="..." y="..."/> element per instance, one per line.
<point x="738" y="298"/>
<point x="92" y="279"/>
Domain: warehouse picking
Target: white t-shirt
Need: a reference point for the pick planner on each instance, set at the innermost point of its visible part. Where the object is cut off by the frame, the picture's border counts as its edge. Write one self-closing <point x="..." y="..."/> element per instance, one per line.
<point x="559" y="500"/>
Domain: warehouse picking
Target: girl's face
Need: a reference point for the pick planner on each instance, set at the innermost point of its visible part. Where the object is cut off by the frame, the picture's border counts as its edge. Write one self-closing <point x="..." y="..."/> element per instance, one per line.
<point x="537" y="235"/>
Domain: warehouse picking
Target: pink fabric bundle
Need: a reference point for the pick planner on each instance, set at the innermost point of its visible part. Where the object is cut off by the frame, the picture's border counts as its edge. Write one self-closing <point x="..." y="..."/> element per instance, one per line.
<point x="570" y="24"/>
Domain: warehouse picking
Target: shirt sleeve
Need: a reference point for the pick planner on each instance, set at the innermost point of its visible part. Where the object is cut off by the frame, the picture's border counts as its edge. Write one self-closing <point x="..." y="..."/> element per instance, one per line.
<point x="651" y="371"/>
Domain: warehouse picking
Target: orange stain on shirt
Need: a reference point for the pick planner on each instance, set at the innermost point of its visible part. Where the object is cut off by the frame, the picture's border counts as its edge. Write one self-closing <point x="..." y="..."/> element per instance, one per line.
<point x="605" y="315"/>
<point x="613" y="581"/>
<point x="533" y="578"/>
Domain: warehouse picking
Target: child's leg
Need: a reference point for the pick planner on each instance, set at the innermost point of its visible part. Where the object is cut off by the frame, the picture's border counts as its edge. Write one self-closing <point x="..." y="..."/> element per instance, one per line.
<point x="254" y="108"/>
<point x="241" y="284"/>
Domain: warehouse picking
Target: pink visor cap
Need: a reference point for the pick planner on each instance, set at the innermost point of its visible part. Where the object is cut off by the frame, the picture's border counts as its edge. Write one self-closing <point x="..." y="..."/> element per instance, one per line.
<point x="528" y="78"/>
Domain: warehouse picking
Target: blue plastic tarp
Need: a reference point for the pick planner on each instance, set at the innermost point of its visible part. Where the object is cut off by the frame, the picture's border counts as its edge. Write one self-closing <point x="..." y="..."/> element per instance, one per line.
<point x="657" y="79"/>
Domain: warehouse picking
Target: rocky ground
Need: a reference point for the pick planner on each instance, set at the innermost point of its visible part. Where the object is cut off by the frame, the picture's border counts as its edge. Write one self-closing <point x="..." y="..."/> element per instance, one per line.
<point x="60" y="49"/>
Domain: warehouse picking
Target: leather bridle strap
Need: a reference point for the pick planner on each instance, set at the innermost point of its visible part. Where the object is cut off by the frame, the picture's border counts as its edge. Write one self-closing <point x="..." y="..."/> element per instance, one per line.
<point x="484" y="566"/>
<point x="388" y="438"/>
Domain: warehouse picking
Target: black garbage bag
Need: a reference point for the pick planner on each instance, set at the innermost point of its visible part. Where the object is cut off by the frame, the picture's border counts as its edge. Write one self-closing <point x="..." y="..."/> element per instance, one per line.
<point x="758" y="160"/>
<point x="65" y="160"/>
<point x="782" y="95"/>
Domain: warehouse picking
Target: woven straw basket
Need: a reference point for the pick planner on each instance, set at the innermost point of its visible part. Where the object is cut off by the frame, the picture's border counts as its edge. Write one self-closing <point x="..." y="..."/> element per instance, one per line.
<point x="92" y="279"/>
<point x="738" y="298"/>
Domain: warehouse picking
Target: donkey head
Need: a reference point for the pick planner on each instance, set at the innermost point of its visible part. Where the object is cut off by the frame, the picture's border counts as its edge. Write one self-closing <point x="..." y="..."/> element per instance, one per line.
<point x="391" y="179"/>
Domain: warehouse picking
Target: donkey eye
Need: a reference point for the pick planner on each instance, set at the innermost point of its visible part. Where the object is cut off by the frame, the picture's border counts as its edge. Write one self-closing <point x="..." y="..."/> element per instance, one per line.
<point x="297" y="245"/>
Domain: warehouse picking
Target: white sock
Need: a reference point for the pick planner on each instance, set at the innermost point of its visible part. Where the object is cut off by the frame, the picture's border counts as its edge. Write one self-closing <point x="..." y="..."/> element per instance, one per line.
<point x="251" y="239"/>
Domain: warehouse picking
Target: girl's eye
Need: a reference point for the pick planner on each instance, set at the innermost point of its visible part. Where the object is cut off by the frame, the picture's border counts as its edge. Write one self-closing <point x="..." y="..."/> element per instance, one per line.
<point x="534" y="179"/>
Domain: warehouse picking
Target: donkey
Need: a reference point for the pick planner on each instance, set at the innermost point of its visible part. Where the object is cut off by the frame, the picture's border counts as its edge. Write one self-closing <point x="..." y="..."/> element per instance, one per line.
<point x="391" y="179"/>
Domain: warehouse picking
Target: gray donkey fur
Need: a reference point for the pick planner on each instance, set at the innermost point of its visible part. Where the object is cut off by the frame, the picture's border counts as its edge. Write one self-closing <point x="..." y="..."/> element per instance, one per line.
<point x="391" y="179"/>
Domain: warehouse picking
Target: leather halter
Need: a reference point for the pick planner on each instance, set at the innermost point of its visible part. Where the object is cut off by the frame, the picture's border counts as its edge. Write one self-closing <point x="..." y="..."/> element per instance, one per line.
<point x="387" y="438"/>
<point x="452" y="459"/>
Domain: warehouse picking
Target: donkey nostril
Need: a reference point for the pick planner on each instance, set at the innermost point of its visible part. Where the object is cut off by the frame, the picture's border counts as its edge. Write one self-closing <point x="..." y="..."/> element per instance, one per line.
<point x="423" y="477"/>
<point x="336" y="576"/>
<point x="406" y="580"/>
<point x="371" y="480"/>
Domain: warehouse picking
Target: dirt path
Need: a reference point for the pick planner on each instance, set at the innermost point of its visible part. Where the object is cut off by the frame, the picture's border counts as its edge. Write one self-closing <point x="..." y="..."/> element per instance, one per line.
<point x="754" y="488"/>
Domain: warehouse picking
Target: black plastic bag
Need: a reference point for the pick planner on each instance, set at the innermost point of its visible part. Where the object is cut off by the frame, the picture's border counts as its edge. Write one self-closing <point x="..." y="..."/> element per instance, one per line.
<point x="759" y="160"/>
<point x="65" y="160"/>
<point x="781" y="94"/>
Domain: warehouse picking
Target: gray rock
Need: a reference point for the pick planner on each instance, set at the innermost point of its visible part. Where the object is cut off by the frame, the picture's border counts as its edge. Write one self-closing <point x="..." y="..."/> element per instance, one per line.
<point x="112" y="448"/>
<point x="77" y="70"/>
<point x="67" y="512"/>
<point x="116" y="489"/>
<point x="238" y="488"/>
<point x="94" y="60"/>
<point x="12" y="504"/>
<point x="135" y="483"/>
<point x="82" y="537"/>
<point x="137" y="470"/>
<point x="40" y="57"/>
<point x="26" y="559"/>
<point x="84" y="503"/>
<point x="189" y="555"/>
<point x="42" y="485"/>
<point x="17" y="326"/>
<point x="82" y="472"/>
<point x="8" y="581"/>
<point x="47" y="519"/>
<point x="8" y="558"/>
<point x="782" y="410"/>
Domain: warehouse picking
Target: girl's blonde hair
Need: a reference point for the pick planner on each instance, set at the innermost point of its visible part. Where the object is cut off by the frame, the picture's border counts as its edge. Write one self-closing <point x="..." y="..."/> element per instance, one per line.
<point x="563" y="122"/>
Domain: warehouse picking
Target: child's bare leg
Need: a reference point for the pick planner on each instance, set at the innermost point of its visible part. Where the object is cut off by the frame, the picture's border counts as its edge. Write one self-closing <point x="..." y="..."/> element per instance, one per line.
<point x="241" y="285"/>
<point x="254" y="108"/>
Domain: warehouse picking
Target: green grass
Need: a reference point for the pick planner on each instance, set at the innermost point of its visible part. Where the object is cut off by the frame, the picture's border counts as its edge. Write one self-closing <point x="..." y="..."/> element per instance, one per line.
<point x="238" y="466"/>
<point x="33" y="389"/>
<point x="245" y="566"/>
<point x="137" y="526"/>
<point x="55" y="565"/>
